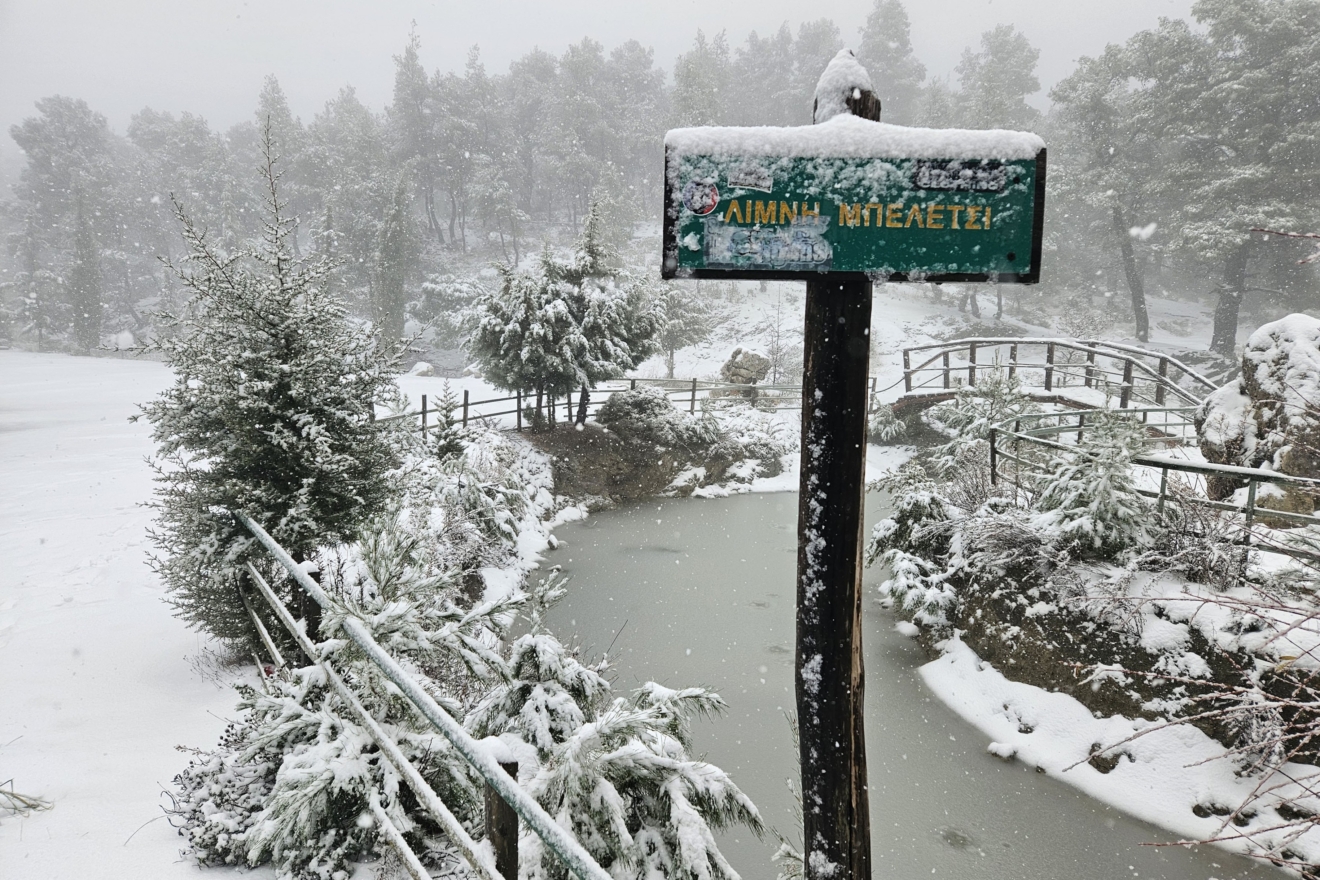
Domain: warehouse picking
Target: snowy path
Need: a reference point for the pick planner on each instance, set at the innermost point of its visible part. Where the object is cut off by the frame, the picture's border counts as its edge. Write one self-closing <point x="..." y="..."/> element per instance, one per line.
<point x="95" y="687"/>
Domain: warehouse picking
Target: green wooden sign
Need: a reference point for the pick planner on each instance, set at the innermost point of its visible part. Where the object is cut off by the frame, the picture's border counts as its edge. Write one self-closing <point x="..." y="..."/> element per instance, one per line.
<point x="853" y="197"/>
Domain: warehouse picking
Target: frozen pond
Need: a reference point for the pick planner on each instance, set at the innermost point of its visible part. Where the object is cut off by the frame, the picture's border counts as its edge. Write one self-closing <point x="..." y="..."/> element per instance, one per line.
<point x="702" y="592"/>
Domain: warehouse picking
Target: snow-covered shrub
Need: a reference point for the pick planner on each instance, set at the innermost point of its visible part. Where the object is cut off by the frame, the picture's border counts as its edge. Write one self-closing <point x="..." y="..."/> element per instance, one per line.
<point x="913" y="542"/>
<point x="292" y="779"/>
<point x="1089" y="498"/>
<point x="615" y="771"/>
<point x="882" y="426"/>
<point x="645" y="417"/>
<point x="976" y="409"/>
<point x="749" y="435"/>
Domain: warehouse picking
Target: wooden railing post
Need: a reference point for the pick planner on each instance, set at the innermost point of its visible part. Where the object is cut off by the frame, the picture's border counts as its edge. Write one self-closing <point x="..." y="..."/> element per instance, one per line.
<point x="907" y="372"/>
<point x="632" y="386"/>
<point x="994" y="458"/>
<point x="465" y="407"/>
<point x="1081" y="424"/>
<point x="518" y="398"/>
<point x="1012" y="361"/>
<point x="1125" y="395"/>
<point x="423" y="415"/>
<point x="971" y="364"/>
<point x="1159" y="386"/>
<point x="946" y="369"/>
<point x="1049" y="367"/>
<point x="1090" y="365"/>
<point x="502" y="828"/>
<point x="692" y="404"/>
<point x="1164" y="486"/>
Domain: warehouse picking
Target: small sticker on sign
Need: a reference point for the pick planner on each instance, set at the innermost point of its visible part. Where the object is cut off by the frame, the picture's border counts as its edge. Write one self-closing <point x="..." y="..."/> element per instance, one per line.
<point x="701" y="196"/>
<point x="751" y="177"/>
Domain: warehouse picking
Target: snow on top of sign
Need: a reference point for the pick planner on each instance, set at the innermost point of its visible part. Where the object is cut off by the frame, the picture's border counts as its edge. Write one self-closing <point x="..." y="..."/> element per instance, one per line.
<point x="841" y="77"/>
<point x="847" y="136"/>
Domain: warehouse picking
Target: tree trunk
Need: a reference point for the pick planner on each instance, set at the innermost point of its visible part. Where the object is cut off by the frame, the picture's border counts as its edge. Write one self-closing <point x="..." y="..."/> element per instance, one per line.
<point x="669" y="362"/>
<point x="1134" y="282"/>
<point x="975" y="304"/>
<point x="453" y="217"/>
<point x="540" y="395"/>
<point x="1223" y="341"/>
<point x="999" y="302"/>
<point x="584" y="400"/>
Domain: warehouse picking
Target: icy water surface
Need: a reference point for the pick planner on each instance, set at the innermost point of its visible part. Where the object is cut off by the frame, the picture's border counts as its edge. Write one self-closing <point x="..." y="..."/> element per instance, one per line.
<point x="701" y="592"/>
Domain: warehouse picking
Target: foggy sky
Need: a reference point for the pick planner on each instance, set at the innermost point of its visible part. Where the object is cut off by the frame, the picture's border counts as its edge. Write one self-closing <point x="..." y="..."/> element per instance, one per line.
<point x="210" y="56"/>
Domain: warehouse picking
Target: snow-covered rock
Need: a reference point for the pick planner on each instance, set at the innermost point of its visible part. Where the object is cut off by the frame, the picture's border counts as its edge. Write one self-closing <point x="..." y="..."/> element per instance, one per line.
<point x="1270" y="417"/>
<point x="745" y="367"/>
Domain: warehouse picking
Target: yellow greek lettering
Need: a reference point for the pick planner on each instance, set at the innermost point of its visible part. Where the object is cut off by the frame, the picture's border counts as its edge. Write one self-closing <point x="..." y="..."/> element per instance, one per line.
<point x="733" y="210"/>
<point x="850" y="215"/>
<point x="894" y="216"/>
<point x="914" y="213"/>
<point x="765" y="212"/>
<point x="934" y="216"/>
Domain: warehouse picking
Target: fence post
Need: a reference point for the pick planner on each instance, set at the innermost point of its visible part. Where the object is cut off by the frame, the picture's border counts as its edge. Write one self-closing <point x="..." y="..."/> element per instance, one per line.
<point x="502" y="828"/>
<point x="1159" y="386"/>
<point x="632" y="385"/>
<point x="1090" y="365"/>
<point x="1164" y="485"/>
<point x="971" y="364"/>
<point x="907" y="372"/>
<point x="692" y="404"/>
<point x="518" y="403"/>
<point x="946" y="369"/>
<point x="1049" y="367"/>
<point x="1251" y="508"/>
<point x="1012" y="361"/>
<point x="423" y="415"/>
<point x="1126" y="394"/>
<point x="994" y="458"/>
<point x="465" y="407"/>
<point x="1081" y="423"/>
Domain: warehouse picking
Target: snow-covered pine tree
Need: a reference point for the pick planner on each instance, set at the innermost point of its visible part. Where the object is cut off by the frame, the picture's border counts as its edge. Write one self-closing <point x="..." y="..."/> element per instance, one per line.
<point x="688" y="319"/>
<point x="1089" y="499"/>
<point x="270" y="413"/>
<point x="566" y="326"/>
<point x="614" y="771"/>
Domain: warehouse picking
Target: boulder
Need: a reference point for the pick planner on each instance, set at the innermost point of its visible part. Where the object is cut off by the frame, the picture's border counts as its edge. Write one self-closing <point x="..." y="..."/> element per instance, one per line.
<point x="745" y="367"/>
<point x="1270" y="416"/>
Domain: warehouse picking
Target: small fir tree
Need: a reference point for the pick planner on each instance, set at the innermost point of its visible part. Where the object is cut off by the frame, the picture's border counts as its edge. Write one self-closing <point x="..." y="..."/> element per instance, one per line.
<point x="271" y="414"/>
<point x="1089" y="499"/>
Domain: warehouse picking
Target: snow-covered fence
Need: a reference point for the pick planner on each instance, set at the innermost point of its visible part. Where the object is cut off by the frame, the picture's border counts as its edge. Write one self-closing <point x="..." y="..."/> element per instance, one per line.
<point x="687" y="394"/>
<point x="477" y="754"/>
<point x="1090" y="370"/>
<point x="1047" y="434"/>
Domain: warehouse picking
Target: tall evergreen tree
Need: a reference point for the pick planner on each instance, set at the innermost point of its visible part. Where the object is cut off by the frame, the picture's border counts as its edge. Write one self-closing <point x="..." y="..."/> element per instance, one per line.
<point x="702" y="83"/>
<point x="396" y="263"/>
<point x="996" y="81"/>
<point x="84" y="283"/>
<point x="271" y="414"/>
<point x="886" y="53"/>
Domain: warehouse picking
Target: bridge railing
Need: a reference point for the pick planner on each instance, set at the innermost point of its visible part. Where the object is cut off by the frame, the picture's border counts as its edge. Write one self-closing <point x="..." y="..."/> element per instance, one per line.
<point x="503" y="790"/>
<point x="1132" y="375"/>
<point x="1021" y="449"/>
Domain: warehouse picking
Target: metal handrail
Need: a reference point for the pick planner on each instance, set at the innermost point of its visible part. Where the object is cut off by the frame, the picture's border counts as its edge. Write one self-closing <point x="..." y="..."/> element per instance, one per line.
<point x="1038" y="436"/>
<point x="556" y="838"/>
<point x="1130" y="357"/>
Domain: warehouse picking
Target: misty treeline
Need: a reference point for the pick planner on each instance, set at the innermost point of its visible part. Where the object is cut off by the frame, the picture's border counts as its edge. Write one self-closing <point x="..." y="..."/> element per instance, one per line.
<point x="1164" y="153"/>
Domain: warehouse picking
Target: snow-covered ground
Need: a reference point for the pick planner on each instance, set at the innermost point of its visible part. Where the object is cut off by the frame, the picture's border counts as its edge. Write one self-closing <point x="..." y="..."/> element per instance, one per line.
<point x="98" y="681"/>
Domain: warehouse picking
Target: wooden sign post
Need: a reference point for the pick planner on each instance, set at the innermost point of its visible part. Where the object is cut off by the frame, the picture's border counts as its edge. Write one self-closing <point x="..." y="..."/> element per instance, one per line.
<point x="840" y="204"/>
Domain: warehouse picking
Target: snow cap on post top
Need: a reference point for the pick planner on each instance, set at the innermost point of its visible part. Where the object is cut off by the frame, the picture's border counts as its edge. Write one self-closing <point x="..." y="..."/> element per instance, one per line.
<point x="845" y="88"/>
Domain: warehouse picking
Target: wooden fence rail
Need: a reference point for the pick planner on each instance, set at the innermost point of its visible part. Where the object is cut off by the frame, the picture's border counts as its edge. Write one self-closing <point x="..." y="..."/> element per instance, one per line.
<point x="686" y="394"/>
